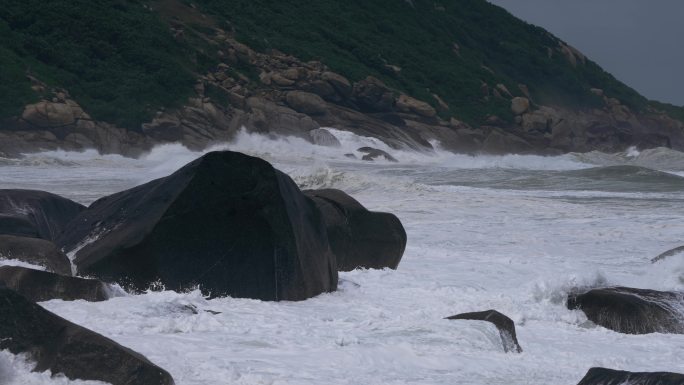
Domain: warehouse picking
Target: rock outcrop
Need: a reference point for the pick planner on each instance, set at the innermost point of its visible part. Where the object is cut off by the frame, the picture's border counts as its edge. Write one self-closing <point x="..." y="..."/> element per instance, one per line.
<point x="505" y="325"/>
<point x="632" y="311"/>
<point x="38" y="285"/>
<point x="37" y="214"/>
<point x="603" y="376"/>
<point x="63" y="347"/>
<point x="36" y="252"/>
<point x="227" y="222"/>
<point x="359" y="238"/>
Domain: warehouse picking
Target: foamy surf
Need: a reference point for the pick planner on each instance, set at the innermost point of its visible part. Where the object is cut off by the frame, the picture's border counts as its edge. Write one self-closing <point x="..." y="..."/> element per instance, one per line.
<point x="513" y="233"/>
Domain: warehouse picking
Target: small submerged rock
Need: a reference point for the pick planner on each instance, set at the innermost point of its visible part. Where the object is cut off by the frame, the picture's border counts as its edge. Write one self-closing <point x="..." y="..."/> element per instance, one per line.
<point x="38" y="285"/>
<point x="668" y="254"/>
<point x="505" y="325"/>
<point x="64" y="347"/>
<point x="374" y="153"/>
<point x="632" y="311"/>
<point x="603" y="376"/>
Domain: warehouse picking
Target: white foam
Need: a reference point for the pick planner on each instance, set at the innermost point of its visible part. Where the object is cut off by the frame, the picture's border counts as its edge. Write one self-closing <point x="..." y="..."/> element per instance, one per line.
<point x="469" y="249"/>
<point x="16" y="262"/>
<point x="17" y="370"/>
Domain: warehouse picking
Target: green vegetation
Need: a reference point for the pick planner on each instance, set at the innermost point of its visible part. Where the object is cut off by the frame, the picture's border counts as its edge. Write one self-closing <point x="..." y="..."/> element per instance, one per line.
<point x="361" y="37"/>
<point x="675" y="112"/>
<point x="119" y="60"/>
<point x="114" y="56"/>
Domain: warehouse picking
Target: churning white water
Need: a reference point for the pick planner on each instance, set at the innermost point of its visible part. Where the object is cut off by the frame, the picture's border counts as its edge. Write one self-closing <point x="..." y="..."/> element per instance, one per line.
<point x="511" y="233"/>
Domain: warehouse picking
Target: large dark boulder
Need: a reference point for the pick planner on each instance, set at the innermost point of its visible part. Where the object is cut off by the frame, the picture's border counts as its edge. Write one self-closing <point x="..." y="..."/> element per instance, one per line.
<point x="36" y="214"/>
<point x="603" y="376"/>
<point x="358" y="237"/>
<point x="63" y="347"/>
<point x="35" y="251"/>
<point x="505" y="325"/>
<point x="38" y="285"/>
<point x="228" y="222"/>
<point x="632" y="311"/>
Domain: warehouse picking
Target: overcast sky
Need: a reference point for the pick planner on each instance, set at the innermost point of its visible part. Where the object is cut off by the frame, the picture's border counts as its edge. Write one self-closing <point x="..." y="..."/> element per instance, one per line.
<point x="641" y="42"/>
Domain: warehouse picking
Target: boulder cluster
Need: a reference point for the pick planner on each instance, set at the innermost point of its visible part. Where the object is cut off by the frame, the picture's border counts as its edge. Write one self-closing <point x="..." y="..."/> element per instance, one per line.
<point x="228" y="223"/>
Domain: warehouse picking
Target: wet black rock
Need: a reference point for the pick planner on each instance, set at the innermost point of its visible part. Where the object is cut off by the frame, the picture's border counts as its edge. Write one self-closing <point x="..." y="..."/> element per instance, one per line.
<point x="374" y="153"/>
<point x="228" y="222"/>
<point x="36" y="252"/>
<point x="668" y="254"/>
<point x="359" y="238"/>
<point x="64" y="347"/>
<point x="632" y="311"/>
<point x="38" y="285"/>
<point x="505" y="325"/>
<point x="603" y="376"/>
<point x="36" y="214"/>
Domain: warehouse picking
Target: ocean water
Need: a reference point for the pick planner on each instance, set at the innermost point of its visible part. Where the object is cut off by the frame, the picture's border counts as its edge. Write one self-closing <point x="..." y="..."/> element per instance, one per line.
<point x="512" y="233"/>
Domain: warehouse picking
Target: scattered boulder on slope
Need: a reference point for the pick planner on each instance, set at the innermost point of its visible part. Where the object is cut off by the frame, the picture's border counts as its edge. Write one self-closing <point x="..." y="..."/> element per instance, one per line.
<point x="668" y="254"/>
<point x="63" y="347"/>
<point x="603" y="376"/>
<point x="38" y="285"/>
<point x="406" y="103"/>
<point x="306" y="102"/>
<point x="36" y="214"/>
<point x="505" y="325"/>
<point x="520" y="105"/>
<point x="631" y="311"/>
<point x="228" y="222"/>
<point x="372" y="95"/>
<point x="359" y="238"/>
<point x="374" y="153"/>
<point x="35" y="251"/>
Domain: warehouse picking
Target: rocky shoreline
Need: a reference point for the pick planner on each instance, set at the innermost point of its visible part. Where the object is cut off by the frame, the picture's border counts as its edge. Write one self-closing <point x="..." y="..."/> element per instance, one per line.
<point x="293" y="98"/>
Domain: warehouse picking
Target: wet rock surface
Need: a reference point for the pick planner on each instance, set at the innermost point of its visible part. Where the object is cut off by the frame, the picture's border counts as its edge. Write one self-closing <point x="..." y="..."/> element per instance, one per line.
<point x="603" y="376"/>
<point x="632" y="311"/>
<point x="38" y="285"/>
<point x="505" y="325"/>
<point x="227" y="222"/>
<point x="63" y="347"/>
<point x="359" y="238"/>
<point x="36" y="252"/>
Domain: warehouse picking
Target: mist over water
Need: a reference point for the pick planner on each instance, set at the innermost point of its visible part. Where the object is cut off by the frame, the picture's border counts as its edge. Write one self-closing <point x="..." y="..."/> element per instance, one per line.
<point x="512" y="233"/>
